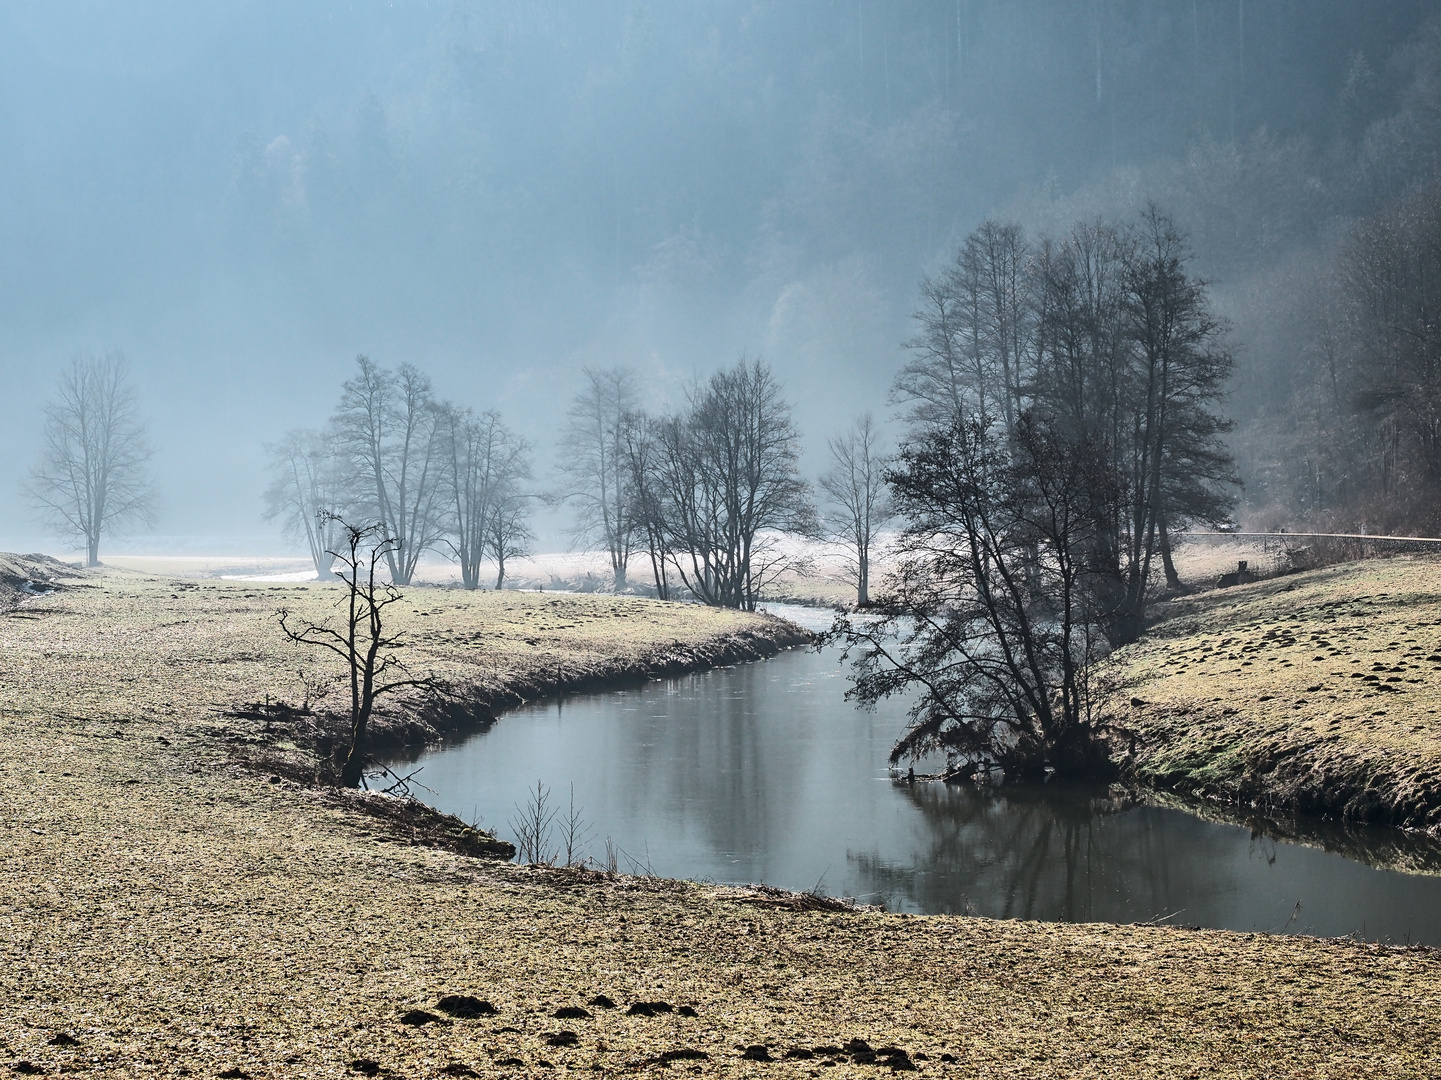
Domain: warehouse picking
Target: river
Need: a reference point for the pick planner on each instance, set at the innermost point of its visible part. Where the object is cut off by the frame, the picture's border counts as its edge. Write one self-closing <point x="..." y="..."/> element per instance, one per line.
<point x="764" y="773"/>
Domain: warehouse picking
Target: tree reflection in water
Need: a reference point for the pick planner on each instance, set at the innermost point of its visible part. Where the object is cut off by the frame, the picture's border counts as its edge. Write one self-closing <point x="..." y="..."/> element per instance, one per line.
<point x="1084" y="853"/>
<point x="764" y="772"/>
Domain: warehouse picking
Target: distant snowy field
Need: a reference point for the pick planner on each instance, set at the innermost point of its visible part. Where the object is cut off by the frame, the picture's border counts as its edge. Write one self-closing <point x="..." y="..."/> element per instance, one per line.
<point x="823" y="579"/>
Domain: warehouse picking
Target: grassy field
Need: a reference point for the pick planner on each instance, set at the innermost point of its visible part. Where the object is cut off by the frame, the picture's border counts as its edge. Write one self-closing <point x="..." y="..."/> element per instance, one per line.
<point x="1317" y="692"/>
<point x="153" y="644"/>
<point x="166" y="910"/>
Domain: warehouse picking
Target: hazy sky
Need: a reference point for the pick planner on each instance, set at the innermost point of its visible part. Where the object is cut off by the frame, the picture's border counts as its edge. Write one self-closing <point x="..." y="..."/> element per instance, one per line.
<point x="241" y="197"/>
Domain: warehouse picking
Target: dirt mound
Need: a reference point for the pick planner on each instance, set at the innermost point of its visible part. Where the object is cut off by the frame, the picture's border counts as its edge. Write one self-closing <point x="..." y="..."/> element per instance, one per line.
<point x="25" y="576"/>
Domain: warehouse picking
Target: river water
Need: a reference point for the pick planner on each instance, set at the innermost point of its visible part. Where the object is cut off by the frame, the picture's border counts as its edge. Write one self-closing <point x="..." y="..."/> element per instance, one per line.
<point x="764" y="773"/>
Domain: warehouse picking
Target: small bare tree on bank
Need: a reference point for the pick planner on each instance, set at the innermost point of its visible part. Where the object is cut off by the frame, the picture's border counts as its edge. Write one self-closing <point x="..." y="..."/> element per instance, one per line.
<point x="361" y="641"/>
<point x="861" y="505"/>
<point x="91" y="475"/>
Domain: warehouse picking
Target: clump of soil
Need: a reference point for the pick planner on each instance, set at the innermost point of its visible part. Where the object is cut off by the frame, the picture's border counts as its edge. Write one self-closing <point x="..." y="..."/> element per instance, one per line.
<point x="410" y="821"/>
<point x="24" y="578"/>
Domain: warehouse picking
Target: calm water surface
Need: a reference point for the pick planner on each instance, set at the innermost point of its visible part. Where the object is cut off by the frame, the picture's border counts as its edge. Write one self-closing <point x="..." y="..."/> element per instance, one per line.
<point x="763" y="772"/>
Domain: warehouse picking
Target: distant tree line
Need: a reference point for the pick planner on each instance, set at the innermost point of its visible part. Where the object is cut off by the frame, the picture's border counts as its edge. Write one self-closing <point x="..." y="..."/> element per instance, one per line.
<point x="710" y="495"/>
<point x="430" y="474"/>
<point x="1062" y="397"/>
<point x="1358" y="445"/>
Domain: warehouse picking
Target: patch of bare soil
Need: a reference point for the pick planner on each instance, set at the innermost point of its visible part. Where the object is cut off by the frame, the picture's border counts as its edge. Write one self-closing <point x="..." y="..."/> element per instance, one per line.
<point x="24" y="579"/>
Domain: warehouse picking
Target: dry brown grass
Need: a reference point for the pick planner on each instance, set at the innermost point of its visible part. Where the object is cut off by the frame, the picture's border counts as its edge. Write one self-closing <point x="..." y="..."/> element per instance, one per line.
<point x="170" y="914"/>
<point x="1318" y="692"/>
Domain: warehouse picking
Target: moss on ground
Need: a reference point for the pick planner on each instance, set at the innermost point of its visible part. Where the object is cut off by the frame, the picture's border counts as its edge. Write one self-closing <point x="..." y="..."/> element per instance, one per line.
<point x="167" y="912"/>
<point x="1317" y="692"/>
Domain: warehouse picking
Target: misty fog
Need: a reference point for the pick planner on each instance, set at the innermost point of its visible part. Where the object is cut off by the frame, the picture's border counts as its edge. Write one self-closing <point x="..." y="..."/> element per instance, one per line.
<point x="241" y="198"/>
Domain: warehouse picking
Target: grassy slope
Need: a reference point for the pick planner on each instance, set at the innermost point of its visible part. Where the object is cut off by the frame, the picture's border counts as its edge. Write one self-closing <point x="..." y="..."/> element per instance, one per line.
<point x="175" y="914"/>
<point x="1316" y="692"/>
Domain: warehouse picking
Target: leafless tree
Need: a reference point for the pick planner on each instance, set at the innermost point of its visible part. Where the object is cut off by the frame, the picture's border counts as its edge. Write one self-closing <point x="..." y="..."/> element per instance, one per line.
<point x="1031" y="536"/>
<point x="861" y="505"/>
<point x="484" y="460"/>
<point x="642" y="450"/>
<point x="510" y="534"/>
<point x="727" y="481"/>
<point x="306" y="492"/>
<point x="387" y="427"/>
<point x="361" y="640"/>
<point x="594" y="466"/>
<point x="994" y="643"/>
<point x="91" y="477"/>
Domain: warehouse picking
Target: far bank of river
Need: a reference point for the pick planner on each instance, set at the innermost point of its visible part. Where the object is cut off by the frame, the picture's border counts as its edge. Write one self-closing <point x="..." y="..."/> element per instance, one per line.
<point x="762" y="772"/>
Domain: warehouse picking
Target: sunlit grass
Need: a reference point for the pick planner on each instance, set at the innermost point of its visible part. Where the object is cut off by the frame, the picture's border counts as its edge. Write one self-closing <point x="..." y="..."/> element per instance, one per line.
<point x="155" y="643"/>
<point x="1319" y="690"/>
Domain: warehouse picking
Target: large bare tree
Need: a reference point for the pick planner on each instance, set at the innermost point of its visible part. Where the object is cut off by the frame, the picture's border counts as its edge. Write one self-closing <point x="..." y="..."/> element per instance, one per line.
<point x="860" y="501"/>
<point x="484" y="462"/>
<point x="727" y="484"/>
<point x="386" y="425"/>
<point x="91" y="477"/>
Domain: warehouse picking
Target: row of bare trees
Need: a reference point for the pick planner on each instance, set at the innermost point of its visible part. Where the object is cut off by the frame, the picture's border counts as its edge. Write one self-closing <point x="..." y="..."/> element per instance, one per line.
<point x="1062" y="397"/>
<point x="705" y="492"/>
<point x="432" y="475"/>
<point x="709" y="493"/>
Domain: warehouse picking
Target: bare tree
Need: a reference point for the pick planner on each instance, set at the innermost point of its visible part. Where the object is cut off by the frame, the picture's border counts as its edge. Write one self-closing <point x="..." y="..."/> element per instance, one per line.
<point x="642" y="452"/>
<point x="483" y="462"/>
<point x="594" y="466"/>
<point x="861" y="505"/>
<point x="361" y="640"/>
<point x="386" y="424"/>
<point x="727" y="481"/>
<point x="91" y="476"/>
<point x="306" y="493"/>
<point x="510" y="533"/>
<point x="995" y="643"/>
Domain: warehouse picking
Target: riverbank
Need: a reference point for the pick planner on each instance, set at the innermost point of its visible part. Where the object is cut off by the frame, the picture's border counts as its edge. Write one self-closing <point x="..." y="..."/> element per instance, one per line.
<point x="219" y="642"/>
<point x="168" y="910"/>
<point x="1316" y="693"/>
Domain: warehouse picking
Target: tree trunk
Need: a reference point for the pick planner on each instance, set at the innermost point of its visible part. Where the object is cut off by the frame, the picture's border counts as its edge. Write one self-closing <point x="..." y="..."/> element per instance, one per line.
<point x="354" y="767"/>
<point x="500" y="573"/>
<point x="92" y="550"/>
<point x="1173" y="579"/>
